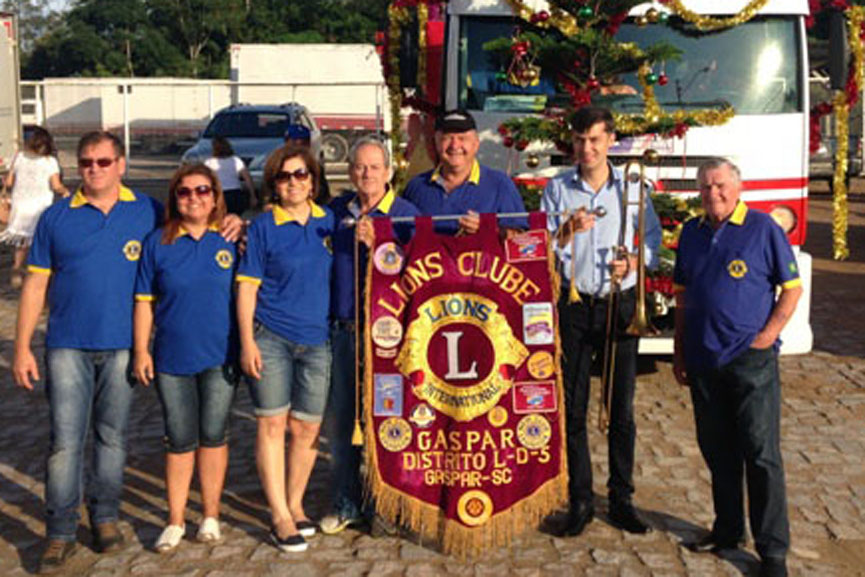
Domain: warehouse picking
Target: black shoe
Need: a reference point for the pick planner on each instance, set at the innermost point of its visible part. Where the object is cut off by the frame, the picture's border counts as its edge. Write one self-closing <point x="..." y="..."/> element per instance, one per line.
<point x="55" y="555"/>
<point x="107" y="537"/>
<point x="578" y="519"/>
<point x="291" y="544"/>
<point x="773" y="567"/>
<point x="623" y="516"/>
<point x="710" y="544"/>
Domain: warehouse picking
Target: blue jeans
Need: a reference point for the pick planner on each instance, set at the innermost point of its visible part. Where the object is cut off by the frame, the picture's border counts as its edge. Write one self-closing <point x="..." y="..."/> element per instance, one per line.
<point x="294" y="377"/>
<point x="195" y="407"/>
<point x="345" y="468"/>
<point x="85" y="388"/>
<point x="737" y="409"/>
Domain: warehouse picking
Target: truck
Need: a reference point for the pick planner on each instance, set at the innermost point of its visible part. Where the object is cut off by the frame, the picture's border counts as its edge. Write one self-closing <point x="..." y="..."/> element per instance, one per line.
<point x="760" y="67"/>
<point x="340" y="84"/>
<point x="10" y="107"/>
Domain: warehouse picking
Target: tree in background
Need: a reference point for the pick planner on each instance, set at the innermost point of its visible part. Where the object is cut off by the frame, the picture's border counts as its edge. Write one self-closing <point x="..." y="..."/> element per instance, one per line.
<point x="183" y="37"/>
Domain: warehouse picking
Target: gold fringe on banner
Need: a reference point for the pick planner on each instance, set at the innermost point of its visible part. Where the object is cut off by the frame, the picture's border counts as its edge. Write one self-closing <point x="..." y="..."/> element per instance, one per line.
<point x="840" y="213"/>
<point x="427" y="520"/>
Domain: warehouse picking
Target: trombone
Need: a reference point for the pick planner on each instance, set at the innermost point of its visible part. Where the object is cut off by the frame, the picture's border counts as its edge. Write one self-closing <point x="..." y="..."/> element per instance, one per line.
<point x="640" y="324"/>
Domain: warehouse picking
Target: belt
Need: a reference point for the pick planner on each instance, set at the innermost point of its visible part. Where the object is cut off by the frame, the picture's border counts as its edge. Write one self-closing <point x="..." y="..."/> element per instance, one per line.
<point x="592" y="300"/>
<point x="343" y="324"/>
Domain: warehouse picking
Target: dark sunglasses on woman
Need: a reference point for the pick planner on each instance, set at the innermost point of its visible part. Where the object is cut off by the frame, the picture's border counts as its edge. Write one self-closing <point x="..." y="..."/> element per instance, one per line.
<point x="200" y="191"/>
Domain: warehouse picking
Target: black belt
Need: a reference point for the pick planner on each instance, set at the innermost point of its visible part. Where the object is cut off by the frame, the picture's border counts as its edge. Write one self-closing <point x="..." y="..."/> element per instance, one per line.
<point x="343" y="324"/>
<point x="592" y="300"/>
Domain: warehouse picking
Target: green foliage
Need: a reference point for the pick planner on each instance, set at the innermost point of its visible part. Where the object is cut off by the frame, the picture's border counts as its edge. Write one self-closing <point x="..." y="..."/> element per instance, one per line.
<point x="183" y="37"/>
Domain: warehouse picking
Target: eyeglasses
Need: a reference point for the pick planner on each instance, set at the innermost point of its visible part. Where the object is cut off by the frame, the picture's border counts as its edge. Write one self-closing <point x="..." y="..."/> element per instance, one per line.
<point x="200" y="191"/>
<point x="100" y="162"/>
<point x="300" y="174"/>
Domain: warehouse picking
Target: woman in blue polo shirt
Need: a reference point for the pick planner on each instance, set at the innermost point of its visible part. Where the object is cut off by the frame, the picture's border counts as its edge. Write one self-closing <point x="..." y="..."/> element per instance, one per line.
<point x="282" y="308"/>
<point x="185" y="284"/>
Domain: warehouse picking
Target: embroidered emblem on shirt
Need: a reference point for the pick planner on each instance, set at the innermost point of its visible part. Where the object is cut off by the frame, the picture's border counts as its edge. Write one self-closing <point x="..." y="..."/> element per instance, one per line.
<point x="737" y="268"/>
<point x="224" y="259"/>
<point x="328" y="244"/>
<point x="132" y="250"/>
<point x="793" y="268"/>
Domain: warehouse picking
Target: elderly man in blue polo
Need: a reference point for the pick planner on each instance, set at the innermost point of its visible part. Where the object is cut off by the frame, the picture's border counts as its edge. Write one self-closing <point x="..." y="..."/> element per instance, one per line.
<point x="731" y="263"/>
<point x="460" y="185"/>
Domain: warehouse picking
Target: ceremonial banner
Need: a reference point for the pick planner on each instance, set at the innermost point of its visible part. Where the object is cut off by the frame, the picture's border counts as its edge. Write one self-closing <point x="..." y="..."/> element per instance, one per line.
<point x="462" y="397"/>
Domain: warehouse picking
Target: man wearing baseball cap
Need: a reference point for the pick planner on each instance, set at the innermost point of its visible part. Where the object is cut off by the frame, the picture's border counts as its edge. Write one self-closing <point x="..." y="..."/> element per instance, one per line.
<point x="459" y="185"/>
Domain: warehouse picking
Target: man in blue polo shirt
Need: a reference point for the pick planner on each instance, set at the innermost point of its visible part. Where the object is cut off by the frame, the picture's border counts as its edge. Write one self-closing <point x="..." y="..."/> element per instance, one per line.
<point x="728" y="266"/>
<point x="369" y="171"/>
<point x="460" y="185"/>
<point x="88" y="246"/>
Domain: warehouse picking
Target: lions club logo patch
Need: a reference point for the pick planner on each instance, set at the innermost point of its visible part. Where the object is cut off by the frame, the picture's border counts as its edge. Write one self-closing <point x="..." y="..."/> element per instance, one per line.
<point x="737" y="268"/>
<point x="132" y="250"/>
<point x="224" y="259"/>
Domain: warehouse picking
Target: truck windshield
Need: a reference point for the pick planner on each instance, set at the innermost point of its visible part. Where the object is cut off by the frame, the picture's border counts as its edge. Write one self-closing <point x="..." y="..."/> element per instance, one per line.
<point x="755" y="67"/>
<point x="248" y="125"/>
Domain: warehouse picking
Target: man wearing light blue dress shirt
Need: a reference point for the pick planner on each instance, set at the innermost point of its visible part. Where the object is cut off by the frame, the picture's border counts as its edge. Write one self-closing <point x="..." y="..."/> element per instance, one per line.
<point x="585" y="246"/>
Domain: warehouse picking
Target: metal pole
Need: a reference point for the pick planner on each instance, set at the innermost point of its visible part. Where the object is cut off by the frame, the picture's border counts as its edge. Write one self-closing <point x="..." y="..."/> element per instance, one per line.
<point x="599" y="212"/>
<point x="126" y="139"/>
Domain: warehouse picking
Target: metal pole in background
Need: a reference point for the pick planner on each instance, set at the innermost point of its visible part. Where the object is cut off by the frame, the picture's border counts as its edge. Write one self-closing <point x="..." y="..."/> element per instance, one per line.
<point x="126" y="89"/>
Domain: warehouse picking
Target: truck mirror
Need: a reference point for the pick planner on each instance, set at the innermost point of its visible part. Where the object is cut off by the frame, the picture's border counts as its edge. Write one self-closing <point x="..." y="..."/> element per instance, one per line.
<point x="408" y="54"/>
<point x="838" y="56"/>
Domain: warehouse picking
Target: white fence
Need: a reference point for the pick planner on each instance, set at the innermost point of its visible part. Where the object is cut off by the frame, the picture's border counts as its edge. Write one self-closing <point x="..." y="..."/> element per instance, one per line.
<point x="164" y="112"/>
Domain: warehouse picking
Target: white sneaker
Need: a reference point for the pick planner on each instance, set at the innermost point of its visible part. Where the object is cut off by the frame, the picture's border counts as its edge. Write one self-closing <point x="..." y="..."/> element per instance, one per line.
<point x="170" y="538"/>
<point x="209" y="531"/>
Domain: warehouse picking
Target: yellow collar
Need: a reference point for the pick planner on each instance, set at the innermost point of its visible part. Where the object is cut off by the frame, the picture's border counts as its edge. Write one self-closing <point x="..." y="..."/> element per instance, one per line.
<point x="280" y="216"/>
<point x="79" y="199"/>
<point x="183" y="232"/>
<point x="738" y="216"/>
<point x="383" y="206"/>
<point x="474" y="175"/>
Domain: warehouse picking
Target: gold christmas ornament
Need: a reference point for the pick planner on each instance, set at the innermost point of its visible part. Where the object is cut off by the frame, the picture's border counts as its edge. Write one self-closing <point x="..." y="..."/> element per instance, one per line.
<point x="652" y="15"/>
<point x="650" y="156"/>
<point x="641" y="21"/>
<point x="533" y="160"/>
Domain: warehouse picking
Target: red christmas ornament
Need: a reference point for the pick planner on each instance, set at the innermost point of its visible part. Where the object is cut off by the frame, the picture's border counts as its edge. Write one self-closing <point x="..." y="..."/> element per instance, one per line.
<point x="662" y="79"/>
<point x="593" y="83"/>
<point x="508" y="141"/>
<point x="522" y="145"/>
<point x="503" y="130"/>
<point x="543" y="16"/>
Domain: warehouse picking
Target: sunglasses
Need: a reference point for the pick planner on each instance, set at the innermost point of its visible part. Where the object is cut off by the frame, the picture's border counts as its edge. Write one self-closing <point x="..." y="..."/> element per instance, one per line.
<point x="200" y="191"/>
<point x="100" y="162"/>
<point x="300" y="174"/>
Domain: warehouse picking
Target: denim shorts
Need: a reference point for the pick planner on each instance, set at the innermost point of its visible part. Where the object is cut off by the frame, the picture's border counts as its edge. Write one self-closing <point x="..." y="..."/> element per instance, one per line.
<point x="294" y="377"/>
<point x="195" y="407"/>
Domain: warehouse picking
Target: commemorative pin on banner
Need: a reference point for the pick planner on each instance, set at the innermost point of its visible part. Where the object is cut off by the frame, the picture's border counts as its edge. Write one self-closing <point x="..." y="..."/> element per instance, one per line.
<point x="462" y="397"/>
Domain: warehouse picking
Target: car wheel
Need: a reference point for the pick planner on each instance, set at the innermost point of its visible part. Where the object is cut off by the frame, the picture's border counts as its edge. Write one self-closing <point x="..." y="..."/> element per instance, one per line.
<point x="334" y="148"/>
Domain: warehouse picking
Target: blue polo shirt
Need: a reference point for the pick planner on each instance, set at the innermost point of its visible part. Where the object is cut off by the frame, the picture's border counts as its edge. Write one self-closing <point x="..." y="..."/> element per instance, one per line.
<point x="292" y="264"/>
<point x="92" y="258"/>
<point x="485" y="191"/>
<point x="191" y="282"/>
<point x="346" y="206"/>
<point x="729" y="278"/>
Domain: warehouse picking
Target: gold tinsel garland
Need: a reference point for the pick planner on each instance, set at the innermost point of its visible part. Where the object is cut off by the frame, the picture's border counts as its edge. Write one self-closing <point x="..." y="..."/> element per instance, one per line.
<point x="841" y="108"/>
<point x="709" y="23"/>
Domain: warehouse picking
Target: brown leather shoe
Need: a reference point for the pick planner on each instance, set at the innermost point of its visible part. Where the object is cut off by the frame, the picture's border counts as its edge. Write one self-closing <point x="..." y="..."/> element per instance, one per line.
<point x="107" y="537"/>
<point x="57" y="551"/>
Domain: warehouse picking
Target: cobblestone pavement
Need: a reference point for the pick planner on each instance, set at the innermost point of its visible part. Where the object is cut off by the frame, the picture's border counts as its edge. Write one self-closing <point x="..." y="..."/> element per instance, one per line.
<point x="823" y="442"/>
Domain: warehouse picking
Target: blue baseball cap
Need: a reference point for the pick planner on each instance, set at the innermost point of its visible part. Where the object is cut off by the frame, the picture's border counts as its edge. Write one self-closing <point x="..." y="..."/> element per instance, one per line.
<point x="297" y="132"/>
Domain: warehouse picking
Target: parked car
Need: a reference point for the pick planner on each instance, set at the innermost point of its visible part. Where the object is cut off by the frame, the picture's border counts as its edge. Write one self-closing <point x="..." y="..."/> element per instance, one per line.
<point x="254" y="131"/>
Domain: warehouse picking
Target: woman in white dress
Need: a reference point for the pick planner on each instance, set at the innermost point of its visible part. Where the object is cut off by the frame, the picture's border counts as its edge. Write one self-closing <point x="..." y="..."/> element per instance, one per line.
<point x="233" y="176"/>
<point x="33" y="179"/>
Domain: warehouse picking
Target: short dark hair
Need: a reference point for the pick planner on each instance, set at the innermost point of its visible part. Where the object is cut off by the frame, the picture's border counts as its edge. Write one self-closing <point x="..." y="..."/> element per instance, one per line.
<point x="40" y="142"/>
<point x="221" y="147"/>
<point x="586" y="117"/>
<point x="97" y="136"/>
<point x="278" y="158"/>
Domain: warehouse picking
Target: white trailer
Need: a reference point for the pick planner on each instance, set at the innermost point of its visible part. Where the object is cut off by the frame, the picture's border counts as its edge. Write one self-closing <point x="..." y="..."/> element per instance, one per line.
<point x="10" y="107"/>
<point x="340" y="84"/>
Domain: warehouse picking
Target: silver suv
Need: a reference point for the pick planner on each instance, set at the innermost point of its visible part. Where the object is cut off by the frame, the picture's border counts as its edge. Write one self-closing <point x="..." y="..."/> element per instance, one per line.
<point x="254" y="131"/>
